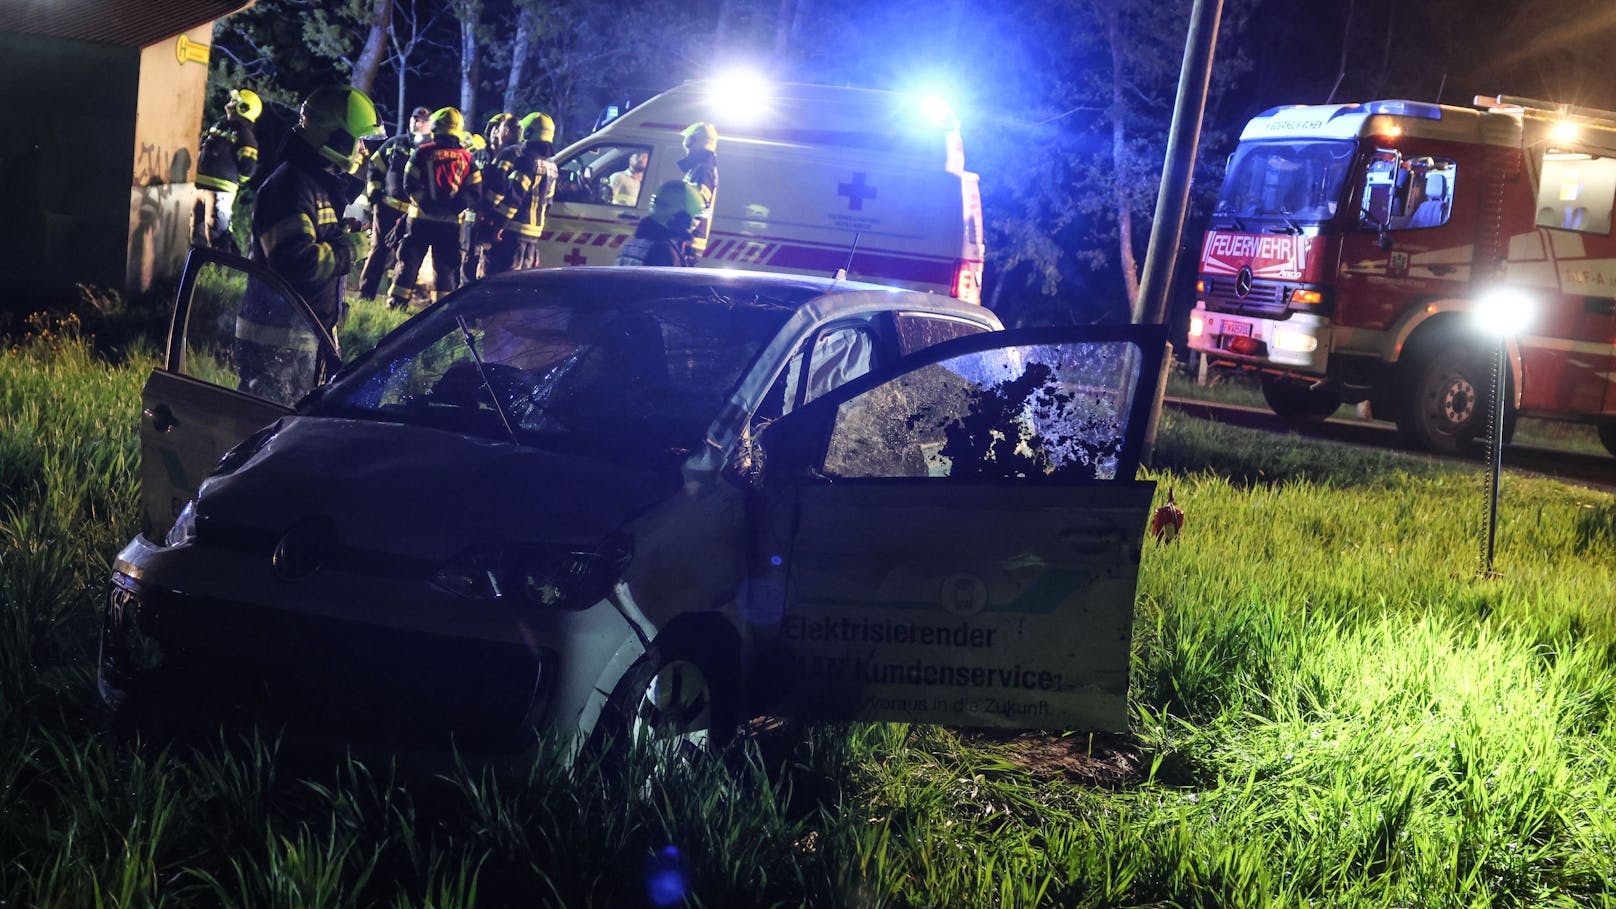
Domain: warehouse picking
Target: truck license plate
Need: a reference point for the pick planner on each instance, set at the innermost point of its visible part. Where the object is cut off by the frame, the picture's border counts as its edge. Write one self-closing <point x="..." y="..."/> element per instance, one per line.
<point x="1237" y="329"/>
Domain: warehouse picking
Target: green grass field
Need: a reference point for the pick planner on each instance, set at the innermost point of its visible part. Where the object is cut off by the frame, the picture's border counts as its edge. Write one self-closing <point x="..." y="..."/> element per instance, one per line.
<point x="1329" y="709"/>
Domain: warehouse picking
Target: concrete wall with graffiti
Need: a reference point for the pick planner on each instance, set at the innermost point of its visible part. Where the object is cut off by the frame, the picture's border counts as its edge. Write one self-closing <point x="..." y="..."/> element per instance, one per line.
<point x="173" y="85"/>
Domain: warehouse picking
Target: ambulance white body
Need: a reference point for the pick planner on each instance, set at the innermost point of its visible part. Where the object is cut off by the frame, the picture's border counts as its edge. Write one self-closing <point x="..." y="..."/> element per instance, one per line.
<point x="812" y="179"/>
<point x="1353" y="244"/>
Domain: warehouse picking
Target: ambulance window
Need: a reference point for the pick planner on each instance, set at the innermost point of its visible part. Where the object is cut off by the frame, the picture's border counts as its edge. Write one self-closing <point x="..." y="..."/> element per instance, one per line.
<point x="1576" y="192"/>
<point x="604" y="175"/>
<point x="918" y="332"/>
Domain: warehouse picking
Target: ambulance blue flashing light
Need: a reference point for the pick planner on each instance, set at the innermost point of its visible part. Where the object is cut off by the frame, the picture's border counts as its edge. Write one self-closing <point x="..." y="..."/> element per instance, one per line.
<point x="937" y="110"/>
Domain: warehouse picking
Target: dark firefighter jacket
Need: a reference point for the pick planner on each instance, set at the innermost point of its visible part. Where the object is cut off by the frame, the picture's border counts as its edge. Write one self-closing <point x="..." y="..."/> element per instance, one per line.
<point x="518" y="186"/>
<point x="653" y="244"/>
<point x="701" y="171"/>
<point x="441" y="181"/>
<point x="229" y="155"/>
<point x="298" y="234"/>
<point x="385" y="185"/>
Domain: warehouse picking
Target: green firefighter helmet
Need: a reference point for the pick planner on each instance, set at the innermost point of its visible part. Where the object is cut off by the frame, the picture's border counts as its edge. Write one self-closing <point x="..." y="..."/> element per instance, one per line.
<point x="247" y="103"/>
<point x="333" y="121"/>
<point x="672" y="198"/>
<point x="446" y="121"/>
<point x="701" y="135"/>
<point x="538" y="127"/>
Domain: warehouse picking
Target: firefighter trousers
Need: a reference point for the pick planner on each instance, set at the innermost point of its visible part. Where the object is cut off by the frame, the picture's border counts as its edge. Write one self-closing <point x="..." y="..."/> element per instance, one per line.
<point x="512" y="252"/>
<point x="442" y="238"/>
<point x="383" y="255"/>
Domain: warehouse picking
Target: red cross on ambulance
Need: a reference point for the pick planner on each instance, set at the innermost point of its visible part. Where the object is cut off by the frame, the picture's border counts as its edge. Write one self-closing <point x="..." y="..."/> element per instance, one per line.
<point x="856" y="192"/>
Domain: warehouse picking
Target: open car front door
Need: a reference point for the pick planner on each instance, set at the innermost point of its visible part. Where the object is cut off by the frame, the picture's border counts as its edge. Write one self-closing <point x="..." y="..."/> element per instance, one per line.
<point x="956" y="539"/>
<point x="242" y="349"/>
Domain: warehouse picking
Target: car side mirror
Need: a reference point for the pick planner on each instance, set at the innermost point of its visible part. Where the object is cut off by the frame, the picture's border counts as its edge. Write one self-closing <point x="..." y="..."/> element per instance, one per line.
<point x="780" y="451"/>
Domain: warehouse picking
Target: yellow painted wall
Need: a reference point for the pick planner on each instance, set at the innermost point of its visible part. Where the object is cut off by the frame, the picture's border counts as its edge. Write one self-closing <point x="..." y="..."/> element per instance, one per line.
<point x="168" y="121"/>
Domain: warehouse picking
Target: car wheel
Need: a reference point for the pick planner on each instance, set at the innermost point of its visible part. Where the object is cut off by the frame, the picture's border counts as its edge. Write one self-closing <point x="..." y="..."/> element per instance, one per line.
<point x="1298" y="402"/>
<point x="673" y="700"/>
<point x="1607" y="435"/>
<point x="1447" y="401"/>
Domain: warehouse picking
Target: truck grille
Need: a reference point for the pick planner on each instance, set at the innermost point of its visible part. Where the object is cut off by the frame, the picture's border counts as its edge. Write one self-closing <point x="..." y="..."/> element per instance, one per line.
<point x="1265" y="298"/>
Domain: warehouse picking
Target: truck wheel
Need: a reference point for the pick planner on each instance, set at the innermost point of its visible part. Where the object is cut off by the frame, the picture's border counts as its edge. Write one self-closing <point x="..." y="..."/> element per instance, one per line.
<point x="1296" y="402"/>
<point x="1607" y="434"/>
<point x="1447" y="400"/>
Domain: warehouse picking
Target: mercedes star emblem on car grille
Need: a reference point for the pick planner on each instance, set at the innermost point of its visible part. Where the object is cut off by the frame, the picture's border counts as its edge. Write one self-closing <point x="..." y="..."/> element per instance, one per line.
<point x="1242" y="282"/>
<point x="303" y="549"/>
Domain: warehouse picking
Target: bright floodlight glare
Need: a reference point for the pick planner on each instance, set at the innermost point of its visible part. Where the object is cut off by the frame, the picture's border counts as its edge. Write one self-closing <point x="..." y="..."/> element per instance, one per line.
<point x="1504" y="311"/>
<point x="1564" y="131"/>
<point x="936" y="110"/>
<point x="739" y="96"/>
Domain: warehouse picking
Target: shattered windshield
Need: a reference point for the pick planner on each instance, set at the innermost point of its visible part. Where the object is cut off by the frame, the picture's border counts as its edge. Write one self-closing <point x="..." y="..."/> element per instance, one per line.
<point x="1295" y="183"/>
<point x="624" y="379"/>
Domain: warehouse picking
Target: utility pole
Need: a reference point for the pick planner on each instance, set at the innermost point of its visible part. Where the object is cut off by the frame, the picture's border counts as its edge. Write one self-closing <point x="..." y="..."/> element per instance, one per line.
<point x="1172" y="201"/>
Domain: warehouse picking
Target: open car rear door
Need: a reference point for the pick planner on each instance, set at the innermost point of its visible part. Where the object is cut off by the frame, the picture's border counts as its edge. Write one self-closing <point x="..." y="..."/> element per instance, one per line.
<point x="212" y="390"/>
<point x="956" y="539"/>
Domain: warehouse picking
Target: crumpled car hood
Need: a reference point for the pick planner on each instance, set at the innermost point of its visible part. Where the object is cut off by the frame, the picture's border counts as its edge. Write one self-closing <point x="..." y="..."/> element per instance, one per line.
<point x="423" y="492"/>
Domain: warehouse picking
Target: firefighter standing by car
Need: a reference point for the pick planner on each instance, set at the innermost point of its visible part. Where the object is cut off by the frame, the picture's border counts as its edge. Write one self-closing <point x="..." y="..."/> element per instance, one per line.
<point x="663" y="235"/>
<point x="700" y="165"/>
<point x="228" y="158"/>
<point x="389" y="203"/>
<point x="518" y="187"/>
<point x="442" y="183"/>
<point x="501" y="132"/>
<point x="299" y="235"/>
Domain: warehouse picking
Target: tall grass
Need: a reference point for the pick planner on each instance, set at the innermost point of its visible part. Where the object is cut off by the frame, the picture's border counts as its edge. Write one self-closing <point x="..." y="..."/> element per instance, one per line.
<point x="1333" y="710"/>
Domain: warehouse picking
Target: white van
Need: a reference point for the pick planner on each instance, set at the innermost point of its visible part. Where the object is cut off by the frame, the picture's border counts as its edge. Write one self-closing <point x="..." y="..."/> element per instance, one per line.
<point x="812" y="179"/>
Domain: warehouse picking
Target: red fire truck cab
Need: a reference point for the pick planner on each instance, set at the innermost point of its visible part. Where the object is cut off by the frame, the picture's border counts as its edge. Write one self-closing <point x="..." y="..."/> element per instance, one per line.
<point x="1351" y="242"/>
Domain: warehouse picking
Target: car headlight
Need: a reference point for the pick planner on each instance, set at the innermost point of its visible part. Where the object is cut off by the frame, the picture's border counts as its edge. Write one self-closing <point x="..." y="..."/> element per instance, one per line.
<point x="561" y="577"/>
<point x="184" y="529"/>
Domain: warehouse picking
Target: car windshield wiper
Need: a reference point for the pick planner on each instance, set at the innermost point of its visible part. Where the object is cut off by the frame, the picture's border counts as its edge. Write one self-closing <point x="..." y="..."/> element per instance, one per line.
<point x="1295" y="226"/>
<point x="499" y="408"/>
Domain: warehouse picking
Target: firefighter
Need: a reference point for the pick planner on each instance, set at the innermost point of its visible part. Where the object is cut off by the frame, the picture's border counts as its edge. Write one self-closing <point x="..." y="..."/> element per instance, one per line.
<point x="519" y="185"/>
<point x="442" y="183"/>
<point x="298" y="234"/>
<point x="388" y="201"/>
<point x="663" y="235"/>
<point x="700" y="165"/>
<point x="501" y="132"/>
<point x="228" y="158"/>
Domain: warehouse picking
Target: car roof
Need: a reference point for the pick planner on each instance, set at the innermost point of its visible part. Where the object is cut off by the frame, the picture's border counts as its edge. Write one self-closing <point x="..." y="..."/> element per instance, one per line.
<point x="828" y="295"/>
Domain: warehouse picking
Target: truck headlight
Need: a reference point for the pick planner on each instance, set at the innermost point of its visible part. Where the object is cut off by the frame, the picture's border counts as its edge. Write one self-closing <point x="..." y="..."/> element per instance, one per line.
<point x="1294" y="341"/>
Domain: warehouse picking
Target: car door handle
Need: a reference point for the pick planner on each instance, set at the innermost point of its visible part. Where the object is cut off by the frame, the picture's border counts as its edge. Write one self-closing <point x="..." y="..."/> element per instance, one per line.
<point x="162" y="418"/>
<point x="628" y="216"/>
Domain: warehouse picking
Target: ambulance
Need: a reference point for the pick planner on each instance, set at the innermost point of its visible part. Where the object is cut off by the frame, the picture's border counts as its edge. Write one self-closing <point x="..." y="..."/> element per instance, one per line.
<point x="1356" y="251"/>
<point x="813" y="180"/>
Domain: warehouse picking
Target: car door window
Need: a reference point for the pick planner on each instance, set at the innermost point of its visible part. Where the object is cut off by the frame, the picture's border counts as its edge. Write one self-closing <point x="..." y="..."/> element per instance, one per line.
<point x="242" y="329"/>
<point x="605" y="175"/>
<point x="1051" y="411"/>
<point x="918" y="331"/>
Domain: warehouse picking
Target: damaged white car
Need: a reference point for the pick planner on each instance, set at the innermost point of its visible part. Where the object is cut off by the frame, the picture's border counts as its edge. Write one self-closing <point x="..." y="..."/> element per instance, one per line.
<point x="629" y="502"/>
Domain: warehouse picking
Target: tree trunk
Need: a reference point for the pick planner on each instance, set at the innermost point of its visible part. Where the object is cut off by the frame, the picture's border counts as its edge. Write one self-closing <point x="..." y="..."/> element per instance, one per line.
<point x="527" y="27"/>
<point x="370" y="59"/>
<point x="470" y="13"/>
<point x="1119" y="157"/>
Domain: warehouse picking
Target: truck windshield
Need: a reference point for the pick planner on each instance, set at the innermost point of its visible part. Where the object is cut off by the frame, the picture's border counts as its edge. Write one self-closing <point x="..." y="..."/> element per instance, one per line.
<point x="1295" y="183"/>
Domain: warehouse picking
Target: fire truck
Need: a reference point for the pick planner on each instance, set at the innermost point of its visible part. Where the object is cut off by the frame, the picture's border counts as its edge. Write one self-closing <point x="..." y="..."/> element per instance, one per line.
<point x="1352" y="244"/>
